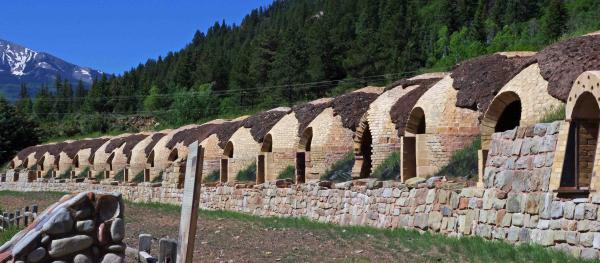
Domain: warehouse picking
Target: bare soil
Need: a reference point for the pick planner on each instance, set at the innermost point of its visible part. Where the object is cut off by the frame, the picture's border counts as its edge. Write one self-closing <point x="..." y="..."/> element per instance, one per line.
<point x="222" y="239"/>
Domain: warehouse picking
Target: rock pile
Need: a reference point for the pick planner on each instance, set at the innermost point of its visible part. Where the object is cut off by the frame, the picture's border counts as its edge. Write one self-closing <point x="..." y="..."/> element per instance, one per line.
<point x="87" y="227"/>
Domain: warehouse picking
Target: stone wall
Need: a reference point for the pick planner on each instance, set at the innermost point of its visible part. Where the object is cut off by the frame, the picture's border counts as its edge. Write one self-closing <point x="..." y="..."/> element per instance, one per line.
<point x="87" y="227"/>
<point x="446" y="208"/>
<point x="521" y="159"/>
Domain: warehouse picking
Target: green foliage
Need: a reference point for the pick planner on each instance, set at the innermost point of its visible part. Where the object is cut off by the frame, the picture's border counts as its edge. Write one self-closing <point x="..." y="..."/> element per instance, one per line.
<point x="17" y="131"/>
<point x="100" y="176"/>
<point x="554" y="114"/>
<point x="84" y="173"/>
<point x="48" y="174"/>
<point x="554" y="20"/>
<point x="159" y="178"/>
<point x="288" y="173"/>
<point x="463" y="163"/>
<point x="341" y="170"/>
<point x="120" y="176"/>
<point x="389" y="169"/>
<point x="247" y="174"/>
<point x="66" y="174"/>
<point x="212" y="177"/>
<point x="138" y="178"/>
<point x="7" y="234"/>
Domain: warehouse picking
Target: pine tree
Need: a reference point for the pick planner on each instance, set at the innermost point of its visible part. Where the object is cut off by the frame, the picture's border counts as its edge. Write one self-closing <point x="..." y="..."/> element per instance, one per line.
<point x="24" y="104"/>
<point x="42" y="105"/>
<point x="554" y="20"/>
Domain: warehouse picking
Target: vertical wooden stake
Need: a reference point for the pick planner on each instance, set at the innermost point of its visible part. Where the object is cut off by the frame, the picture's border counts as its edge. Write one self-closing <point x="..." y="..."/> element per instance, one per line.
<point x="189" y="206"/>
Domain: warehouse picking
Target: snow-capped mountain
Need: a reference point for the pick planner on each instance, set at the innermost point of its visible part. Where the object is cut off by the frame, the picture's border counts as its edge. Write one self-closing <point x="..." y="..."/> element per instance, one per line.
<point x="19" y="64"/>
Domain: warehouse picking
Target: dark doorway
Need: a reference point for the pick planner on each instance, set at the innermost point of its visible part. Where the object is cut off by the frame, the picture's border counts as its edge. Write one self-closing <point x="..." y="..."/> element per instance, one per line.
<point x="300" y="167"/>
<point x="510" y="117"/>
<point x="224" y="166"/>
<point x="409" y="160"/>
<point x="303" y="155"/>
<point x="366" y="152"/>
<point x="582" y="141"/>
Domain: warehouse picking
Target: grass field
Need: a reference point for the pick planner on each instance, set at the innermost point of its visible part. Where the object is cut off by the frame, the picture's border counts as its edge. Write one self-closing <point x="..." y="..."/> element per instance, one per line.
<point x="224" y="236"/>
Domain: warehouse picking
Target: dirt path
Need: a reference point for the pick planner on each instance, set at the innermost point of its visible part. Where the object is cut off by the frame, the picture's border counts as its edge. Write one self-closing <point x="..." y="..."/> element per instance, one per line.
<point x="233" y="237"/>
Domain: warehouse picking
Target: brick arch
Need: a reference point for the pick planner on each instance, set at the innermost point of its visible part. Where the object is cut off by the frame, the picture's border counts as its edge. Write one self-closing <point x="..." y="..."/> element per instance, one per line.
<point x="587" y="82"/>
<point x="267" y="144"/>
<point x="173" y="155"/>
<point x="495" y="115"/>
<point x="363" y="149"/>
<point x="109" y="160"/>
<point x="416" y="123"/>
<point x="228" y="151"/>
<point x="578" y="139"/>
<point x="306" y="140"/>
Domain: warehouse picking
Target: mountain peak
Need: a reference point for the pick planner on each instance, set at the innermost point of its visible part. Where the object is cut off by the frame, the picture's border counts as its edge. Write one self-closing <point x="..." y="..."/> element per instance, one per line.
<point x="19" y="64"/>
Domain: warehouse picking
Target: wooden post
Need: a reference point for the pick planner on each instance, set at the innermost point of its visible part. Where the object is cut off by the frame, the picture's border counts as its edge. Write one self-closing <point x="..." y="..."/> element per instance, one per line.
<point x="189" y="206"/>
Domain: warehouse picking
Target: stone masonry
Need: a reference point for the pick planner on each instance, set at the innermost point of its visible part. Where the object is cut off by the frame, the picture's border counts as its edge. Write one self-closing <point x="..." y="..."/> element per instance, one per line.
<point x="87" y="227"/>
<point x="521" y="159"/>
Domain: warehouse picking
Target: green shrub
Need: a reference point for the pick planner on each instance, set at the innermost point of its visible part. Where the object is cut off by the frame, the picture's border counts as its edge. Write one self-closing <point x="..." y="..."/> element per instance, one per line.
<point x="389" y="169"/>
<point x="340" y="171"/>
<point x="463" y="162"/>
<point x="554" y="114"/>
<point x="48" y="174"/>
<point x="7" y="234"/>
<point x="138" y="178"/>
<point x="247" y="174"/>
<point x="100" y="176"/>
<point x="288" y="173"/>
<point x="120" y="176"/>
<point x="84" y="173"/>
<point x="66" y="174"/>
<point x="159" y="178"/>
<point x="212" y="177"/>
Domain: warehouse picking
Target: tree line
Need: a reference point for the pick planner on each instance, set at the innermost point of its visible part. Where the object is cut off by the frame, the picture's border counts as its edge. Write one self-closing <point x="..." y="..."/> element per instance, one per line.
<point x="329" y="45"/>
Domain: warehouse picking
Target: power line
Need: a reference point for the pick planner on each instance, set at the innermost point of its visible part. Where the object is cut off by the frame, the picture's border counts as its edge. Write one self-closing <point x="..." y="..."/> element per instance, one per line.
<point x="296" y="87"/>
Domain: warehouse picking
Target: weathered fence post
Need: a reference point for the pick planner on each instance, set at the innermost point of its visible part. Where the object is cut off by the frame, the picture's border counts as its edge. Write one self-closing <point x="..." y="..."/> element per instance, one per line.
<point x="168" y="251"/>
<point x="26" y="216"/>
<point x="18" y="217"/>
<point x="189" y="206"/>
<point x="5" y="220"/>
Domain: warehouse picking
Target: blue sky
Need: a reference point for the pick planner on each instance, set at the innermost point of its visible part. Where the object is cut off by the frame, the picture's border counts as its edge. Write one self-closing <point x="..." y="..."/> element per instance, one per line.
<point x="114" y="35"/>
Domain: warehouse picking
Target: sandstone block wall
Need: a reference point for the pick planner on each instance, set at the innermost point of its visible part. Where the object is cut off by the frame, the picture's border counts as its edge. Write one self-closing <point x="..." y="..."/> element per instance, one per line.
<point x="330" y="143"/>
<point x="385" y="138"/>
<point x="87" y="227"/>
<point x="212" y="155"/>
<point x="83" y="157"/>
<point x="447" y="127"/>
<point x="284" y="140"/>
<point x="245" y="150"/>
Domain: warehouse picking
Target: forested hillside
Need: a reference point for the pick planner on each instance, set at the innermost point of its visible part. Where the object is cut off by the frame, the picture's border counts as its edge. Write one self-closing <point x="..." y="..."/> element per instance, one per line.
<point x="304" y="49"/>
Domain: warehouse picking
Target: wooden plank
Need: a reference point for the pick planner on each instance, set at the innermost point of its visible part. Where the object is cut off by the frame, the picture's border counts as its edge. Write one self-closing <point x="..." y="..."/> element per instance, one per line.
<point x="189" y="206"/>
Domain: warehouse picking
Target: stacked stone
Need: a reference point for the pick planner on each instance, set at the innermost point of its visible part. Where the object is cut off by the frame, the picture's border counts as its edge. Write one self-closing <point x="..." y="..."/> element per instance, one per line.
<point x="521" y="159"/>
<point x="87" y="227"/>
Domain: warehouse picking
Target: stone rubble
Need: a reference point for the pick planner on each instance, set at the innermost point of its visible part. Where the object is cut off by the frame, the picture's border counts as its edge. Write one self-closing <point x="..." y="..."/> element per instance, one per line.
<point x="65" y="232"/>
